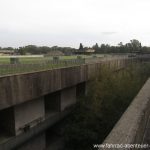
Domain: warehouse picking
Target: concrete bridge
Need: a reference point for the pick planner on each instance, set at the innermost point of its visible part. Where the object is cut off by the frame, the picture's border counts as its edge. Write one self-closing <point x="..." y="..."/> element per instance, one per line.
<point x="32" y="102"/>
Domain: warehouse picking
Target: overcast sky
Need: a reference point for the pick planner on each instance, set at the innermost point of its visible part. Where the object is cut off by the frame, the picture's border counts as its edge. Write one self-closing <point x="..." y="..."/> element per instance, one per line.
<point x="69" y="22"/>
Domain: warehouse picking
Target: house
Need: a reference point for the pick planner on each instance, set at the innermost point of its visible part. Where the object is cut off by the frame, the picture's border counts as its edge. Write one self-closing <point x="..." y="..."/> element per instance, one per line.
<point x="7" y="52"/>
<point x="90" y="50"/>
<point x="86" y="51"/>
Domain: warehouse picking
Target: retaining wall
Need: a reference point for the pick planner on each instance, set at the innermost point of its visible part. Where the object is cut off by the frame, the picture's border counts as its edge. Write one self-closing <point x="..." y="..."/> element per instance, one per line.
<point x="133" y="125"/>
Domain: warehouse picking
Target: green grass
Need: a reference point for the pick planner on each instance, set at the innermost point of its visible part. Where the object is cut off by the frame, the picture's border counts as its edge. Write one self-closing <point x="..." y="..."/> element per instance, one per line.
<point x="4" y="60"/>
<point x="31" y="64"/>
<point x="26" y="60"/>
<point x="15" y="69"/>
<point x="29" y="60"/>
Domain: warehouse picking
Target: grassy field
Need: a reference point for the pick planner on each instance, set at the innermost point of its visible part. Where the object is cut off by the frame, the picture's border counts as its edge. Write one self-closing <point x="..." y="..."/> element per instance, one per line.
<point x="6" y="69"/>
<point x="35" y="63"/>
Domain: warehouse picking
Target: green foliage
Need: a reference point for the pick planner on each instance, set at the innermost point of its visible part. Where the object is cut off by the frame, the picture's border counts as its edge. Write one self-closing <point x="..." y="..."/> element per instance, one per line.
<point x="133" y="46"/>
<point x="109" y="94"/>
<point x="95" y="47"/>
<point x="81" y="47"/>
<point x="32" y="49"/>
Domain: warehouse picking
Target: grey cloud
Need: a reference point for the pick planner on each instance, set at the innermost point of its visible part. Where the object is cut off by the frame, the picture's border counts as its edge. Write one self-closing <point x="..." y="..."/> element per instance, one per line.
<point x="108" y="33"/>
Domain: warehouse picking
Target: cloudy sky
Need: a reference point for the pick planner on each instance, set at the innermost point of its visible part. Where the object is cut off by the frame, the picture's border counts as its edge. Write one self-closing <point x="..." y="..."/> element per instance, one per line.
<point x="69" y="22"/>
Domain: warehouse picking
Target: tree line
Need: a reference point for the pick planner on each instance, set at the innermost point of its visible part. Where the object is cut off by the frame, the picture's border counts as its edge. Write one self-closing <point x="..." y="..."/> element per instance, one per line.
<point x="134" y="46"/>
<point x="33" y="49"/>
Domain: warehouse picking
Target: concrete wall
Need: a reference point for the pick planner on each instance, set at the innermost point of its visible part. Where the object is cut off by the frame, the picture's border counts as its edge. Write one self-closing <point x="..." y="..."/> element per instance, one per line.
<point x="131" y="128"/>
<point x="36" y="143"/>
<point x="16" y="89"/>
<point x="19" y="140"/>
<point x="68" y="97"/>
<point x="33" y="117"/>
<point x="52" y="102"/>
<point x="28" y="113"/>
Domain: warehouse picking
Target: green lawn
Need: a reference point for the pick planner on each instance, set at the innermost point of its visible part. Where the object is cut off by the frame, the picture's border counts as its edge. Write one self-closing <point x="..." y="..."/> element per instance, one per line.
<point x="27" y="60"/>
<point x="23" y="68"/>
<point x="30" y="64"/>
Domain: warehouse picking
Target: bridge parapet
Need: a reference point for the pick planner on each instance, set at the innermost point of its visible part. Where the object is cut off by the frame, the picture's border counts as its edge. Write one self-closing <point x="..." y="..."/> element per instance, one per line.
<point x="19" y="88"/>
<point x="133" y="125"/>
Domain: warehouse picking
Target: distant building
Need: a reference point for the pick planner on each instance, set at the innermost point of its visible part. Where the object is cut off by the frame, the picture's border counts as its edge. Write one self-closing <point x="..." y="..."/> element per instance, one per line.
<point x="7" y="52"/>
<point x="90" y="50"/>
<point x="86" y="51"/>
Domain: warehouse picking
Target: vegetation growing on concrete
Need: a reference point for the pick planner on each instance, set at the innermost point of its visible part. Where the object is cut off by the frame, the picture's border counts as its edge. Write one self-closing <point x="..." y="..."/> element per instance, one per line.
<point x="109" y="94"/>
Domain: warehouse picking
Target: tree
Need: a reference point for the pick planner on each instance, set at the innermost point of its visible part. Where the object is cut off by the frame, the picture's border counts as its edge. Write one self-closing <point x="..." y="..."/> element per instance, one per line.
<point x="8" y="48"/>
<point x="96" y="47"/>
<point x="120" y="44"/>
<point x="105" y="48"/>
<point x="81" y="47"/>
<point x="22" y="51"/>
<point x="128" y="47"/>
<point x="135" y="45"/>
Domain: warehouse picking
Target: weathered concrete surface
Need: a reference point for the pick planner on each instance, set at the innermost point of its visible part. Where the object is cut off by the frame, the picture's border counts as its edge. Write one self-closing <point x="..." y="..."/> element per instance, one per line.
<point x="16" y="89"/>
<point x="28" y="113"/>
<point x="68" y="97"/>
<point x="146" y="138"/>
<point x="20" y="88"/>
<point x="52" y="103"/>
<point x="130" y="129"/>
<point x="17" y="141"/>
<point x="37" y="143"/>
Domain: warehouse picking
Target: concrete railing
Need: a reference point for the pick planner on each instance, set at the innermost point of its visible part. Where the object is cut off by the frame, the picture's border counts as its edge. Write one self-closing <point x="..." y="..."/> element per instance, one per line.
<point x="133" y="125"/>
<point x="16" y="67"/>
<point x="19" y="88"/>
